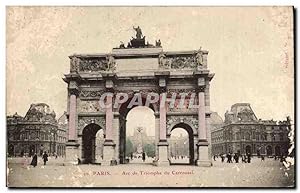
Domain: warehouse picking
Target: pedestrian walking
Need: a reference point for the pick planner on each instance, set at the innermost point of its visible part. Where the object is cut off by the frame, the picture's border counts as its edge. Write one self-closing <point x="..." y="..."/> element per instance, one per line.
<point x="248" y="158"/>
<point x="144" y="156"/>
<point x="262" y="158"/>
<point x="244" y="158"/>
<point x="282" y="158"/>
<point x="24" y="161"/>
<point x="229" y="158"/>
<point x="222" y="158"/>
<point x="34" y="160"/>
<point x="236" y="158"/>
<point x="45" y="157"/>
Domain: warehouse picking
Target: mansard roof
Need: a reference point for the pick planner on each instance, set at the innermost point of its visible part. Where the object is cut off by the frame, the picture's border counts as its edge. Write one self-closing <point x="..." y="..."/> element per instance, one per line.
<point x="40" y="112"/>
<point x="63" y="121"/>
<point x="240" y="112"/>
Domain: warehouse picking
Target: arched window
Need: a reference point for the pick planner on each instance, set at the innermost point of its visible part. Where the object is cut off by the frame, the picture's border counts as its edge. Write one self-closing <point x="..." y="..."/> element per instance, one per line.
<point x="273" y="137"/>
<point x="247" y="136"/>
<point x="257" y="136"/>
<point x="281" y="136"/>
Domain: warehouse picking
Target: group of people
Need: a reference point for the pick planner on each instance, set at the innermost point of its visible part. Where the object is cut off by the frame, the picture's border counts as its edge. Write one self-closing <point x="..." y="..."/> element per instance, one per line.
<point x="246" y="158"/>
<point x="34" y="160"/>
<point x="143" y="156"/>
<point x="178" y="157"/>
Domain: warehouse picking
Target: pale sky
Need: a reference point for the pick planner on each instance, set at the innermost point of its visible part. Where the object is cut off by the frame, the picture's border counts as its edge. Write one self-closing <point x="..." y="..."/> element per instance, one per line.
<point x="140" y="117"/>
<point x="250" y="50"/>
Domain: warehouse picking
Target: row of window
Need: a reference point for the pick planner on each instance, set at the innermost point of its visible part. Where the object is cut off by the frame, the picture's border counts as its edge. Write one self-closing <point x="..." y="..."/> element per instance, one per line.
<point x="247" y="136"/>
<point x="38" y="136"/>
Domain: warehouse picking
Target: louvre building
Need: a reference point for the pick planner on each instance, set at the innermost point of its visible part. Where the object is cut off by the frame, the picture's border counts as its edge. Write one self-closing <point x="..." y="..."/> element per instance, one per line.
<point x="38" y="131"/>
<point x="242" y="132"/>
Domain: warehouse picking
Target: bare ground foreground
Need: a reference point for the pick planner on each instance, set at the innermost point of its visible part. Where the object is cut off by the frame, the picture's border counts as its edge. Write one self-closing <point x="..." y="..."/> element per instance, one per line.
<point x="269" y="173"/>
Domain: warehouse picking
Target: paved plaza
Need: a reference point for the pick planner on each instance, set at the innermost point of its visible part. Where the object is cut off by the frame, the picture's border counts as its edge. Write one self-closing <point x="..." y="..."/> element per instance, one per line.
<point x="270" y="173"/>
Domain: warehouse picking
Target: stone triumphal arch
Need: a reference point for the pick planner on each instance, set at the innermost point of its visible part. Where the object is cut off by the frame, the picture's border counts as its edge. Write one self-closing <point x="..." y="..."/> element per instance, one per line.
<point x="137" y="70"/>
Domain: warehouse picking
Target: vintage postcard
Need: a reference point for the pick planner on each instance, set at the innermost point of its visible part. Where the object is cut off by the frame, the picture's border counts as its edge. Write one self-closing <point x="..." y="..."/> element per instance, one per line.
<point x="150" y="97"/>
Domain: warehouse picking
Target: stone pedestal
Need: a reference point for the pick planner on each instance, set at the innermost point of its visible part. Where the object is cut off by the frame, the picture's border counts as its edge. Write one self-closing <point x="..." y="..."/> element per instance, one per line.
<point x="71" y="153"/>
<point x="108" y="153"/>
<point x="204" y="159"/>
<point x="162" y="154"/>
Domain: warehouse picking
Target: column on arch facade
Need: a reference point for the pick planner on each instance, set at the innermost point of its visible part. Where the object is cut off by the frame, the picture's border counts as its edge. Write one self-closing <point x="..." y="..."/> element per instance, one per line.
<point x="202" y="135"/>
<point x="72" y="145"/>
<point x="203" y="145"/>
<point x="72" y="136"/>
<point x="163" y="158"/>
<point x="109" y="117"/>
<point x="109" y="145"/>
<point x="162" y="118"/>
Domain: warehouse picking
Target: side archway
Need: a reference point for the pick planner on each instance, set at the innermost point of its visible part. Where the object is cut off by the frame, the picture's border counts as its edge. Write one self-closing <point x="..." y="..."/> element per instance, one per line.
<point x="189" y="129"/>
<point x="89" y="143"/>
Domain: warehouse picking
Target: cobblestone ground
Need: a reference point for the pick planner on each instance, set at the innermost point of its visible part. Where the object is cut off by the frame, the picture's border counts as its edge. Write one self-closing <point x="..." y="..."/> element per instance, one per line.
<point x="269" y="173"/>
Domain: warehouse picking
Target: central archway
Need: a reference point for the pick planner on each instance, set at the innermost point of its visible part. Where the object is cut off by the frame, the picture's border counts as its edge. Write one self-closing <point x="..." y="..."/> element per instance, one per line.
<point x="89" y="143"/>
<point x="188" y="140"/>
<point x="133" y="145"/>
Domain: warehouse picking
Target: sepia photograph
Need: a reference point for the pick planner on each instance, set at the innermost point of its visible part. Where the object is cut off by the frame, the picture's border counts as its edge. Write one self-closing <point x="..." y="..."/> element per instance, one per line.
<point x="150" y="96"/>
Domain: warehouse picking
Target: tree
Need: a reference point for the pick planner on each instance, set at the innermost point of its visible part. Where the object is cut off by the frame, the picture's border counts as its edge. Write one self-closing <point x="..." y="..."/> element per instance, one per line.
<point x="150" y="149"/>
<point x="129" y="147"/>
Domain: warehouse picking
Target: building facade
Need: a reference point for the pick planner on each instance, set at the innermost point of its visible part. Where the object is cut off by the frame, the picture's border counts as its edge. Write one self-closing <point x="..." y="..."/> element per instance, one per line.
<point x="36" y="132"/>
<point x="242" y="132"/>
<point x="62" y="129"/>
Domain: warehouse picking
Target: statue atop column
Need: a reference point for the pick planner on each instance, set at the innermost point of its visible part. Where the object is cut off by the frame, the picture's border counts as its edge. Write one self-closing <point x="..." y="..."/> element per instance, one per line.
<point x="199" y="57"/>
<point x="158" y="43"/>
<point x="139" y="33"/>
<point x="162" y="61"/>
<point x="111" y="64"/>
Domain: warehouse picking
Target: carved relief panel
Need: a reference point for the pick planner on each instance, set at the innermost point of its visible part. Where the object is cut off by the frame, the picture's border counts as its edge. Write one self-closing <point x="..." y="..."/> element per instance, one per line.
<point x="93" y="64"/>
<point x="91" y="106"/>
<point x="192" y="61"/>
